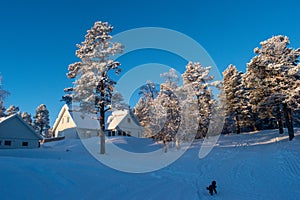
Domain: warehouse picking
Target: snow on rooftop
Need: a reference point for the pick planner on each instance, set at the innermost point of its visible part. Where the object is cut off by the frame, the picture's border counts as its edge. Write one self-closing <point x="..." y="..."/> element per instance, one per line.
<point x="85" y="121"/>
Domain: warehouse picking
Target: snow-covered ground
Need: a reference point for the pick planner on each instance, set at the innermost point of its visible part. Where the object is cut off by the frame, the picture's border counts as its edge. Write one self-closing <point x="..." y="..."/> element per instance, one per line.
<point x="262" y="165"/>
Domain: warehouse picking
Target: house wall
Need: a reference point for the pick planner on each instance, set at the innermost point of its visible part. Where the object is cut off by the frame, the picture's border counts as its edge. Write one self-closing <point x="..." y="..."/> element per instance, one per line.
<point x="65" y="123"/>
<point x="87" y="133"/>
<point x="15" y="134"/>
<point x="130" y="127"/>
<point x="18" y="143"/>
<point x="76" y="133"/>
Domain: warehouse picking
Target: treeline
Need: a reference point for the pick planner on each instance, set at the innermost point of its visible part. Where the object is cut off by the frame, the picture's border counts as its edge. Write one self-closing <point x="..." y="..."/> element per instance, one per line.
<point x="40" y="121"/>
<point x="265" y="96"/>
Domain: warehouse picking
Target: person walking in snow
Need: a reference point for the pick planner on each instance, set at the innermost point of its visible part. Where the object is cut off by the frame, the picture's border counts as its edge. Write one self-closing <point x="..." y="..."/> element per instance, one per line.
<point x="212" y="188"/>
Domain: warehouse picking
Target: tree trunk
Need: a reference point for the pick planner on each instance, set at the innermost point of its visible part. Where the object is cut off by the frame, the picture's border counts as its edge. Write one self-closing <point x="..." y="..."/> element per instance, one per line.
<point x="254" y="120"/>
<point x="237" y="124"/>
<point x="165" y="145"/>
<point x="102" y="142"/>
<point x="102" y="120"/>
<point x="288" y="120"/>
<point x="280" y="125"/>
<point x="41" y="130"/>
<point x="279" y="121"/>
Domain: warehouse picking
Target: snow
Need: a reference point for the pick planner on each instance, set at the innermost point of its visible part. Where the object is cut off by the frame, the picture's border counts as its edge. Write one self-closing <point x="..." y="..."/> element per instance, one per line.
<point x="256" y="165"/>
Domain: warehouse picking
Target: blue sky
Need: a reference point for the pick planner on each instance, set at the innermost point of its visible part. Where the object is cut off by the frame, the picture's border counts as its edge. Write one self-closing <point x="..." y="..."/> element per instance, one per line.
<point x="38" y="38"/>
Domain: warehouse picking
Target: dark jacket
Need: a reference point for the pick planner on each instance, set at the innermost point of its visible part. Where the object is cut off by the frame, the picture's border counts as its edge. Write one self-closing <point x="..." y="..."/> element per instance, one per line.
<point x="212" y="188"/>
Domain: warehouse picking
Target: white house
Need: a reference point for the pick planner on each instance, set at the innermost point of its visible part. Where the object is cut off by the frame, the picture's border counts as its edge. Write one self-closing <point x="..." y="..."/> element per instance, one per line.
<point x="74" y="124"/>
<point x="123" y="122"/>
<point x="16" y="133"/>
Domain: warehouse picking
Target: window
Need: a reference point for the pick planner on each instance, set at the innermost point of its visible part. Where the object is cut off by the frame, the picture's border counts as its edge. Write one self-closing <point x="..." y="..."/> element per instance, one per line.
<point x="128" y="120"/>
<point x="25" y="144"/>
<point x="7" y="142"/>
<point x="68" y="119"/>
<point x="0" y="142"/>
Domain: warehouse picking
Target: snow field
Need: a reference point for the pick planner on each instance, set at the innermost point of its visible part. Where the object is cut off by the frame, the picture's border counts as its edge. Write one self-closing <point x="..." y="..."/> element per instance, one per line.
<point x="261" y="165"/>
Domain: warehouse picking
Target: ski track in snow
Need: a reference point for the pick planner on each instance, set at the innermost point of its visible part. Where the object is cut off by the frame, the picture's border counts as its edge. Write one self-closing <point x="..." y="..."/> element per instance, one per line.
<point x="262" y="165"/>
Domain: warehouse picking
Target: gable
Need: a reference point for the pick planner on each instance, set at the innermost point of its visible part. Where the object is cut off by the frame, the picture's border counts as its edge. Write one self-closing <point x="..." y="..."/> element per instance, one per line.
<point x="123" y="120"/>
<point x="70" y="118"/>
<point x="15" y="127"/>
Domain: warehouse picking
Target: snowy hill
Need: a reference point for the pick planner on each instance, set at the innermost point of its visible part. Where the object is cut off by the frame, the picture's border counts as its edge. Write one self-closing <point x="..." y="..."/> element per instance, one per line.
<point x="262" y="165"/>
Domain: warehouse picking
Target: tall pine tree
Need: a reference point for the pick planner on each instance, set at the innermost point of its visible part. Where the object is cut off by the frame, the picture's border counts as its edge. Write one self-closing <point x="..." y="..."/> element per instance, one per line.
<point x="41" y="120"/>
<point x="233" y="91"/>
<point x="274" y="72"/>
<point x="93" y="87"/>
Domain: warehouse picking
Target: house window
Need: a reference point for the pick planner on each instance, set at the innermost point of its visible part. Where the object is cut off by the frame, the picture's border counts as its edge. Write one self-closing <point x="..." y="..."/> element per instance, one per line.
<point x="0" y="142"/>
<point x="128" y="120"/>
<point x="68" y="119"/>
<point x="7" y="142"/>
<point x="25" y="144"/>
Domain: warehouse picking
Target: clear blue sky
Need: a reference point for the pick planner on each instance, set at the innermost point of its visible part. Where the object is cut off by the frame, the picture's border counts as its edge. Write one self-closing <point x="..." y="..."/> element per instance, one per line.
<point x="38" y="38"/>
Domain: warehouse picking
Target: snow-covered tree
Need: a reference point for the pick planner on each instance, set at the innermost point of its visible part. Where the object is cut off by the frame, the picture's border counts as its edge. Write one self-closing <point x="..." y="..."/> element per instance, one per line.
<point x="189" y="115"/>
<point x="27" y="118"/>
<point x="160" y="116"/>
<point x="199" y="78"/>
<point x="67" y="98"/>
<point x="148" y="93"/>
<point x="2" y="109"/>
<point x="117" y="102"/>
<point x="3" y="95"/>
<point x="273" y="78"/>
<point x="41" y="120"/>
<point x="233" y="91"/>
<point x="93" y="87"/>
<point x="171" y="79"/>
<point x="148" y="90"/>
<point x="11" y="110"/>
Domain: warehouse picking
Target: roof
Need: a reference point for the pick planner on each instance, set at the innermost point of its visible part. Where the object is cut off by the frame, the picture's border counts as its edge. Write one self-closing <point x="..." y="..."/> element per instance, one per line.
<point x="4" y="120"/>
<point x="117" y="117"/>
<point x="81" y="120"/>
<point x="85" y="121"/>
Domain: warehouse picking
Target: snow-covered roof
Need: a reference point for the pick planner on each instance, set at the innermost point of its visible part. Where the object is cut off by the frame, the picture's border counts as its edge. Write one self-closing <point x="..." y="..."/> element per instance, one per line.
<point x="81" y="120"/>
<point x="85" y="121"/>
<point x="4" y="120"/>
<point x="118" y="116"/>
<point x="115" y="118"/>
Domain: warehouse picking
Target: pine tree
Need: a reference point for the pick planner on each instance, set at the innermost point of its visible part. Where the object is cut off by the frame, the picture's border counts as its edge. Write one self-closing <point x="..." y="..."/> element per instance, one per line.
<point x="275" y="72"/>
<point x="3" y="95"/>
<point x="2" y="109"/>
<point x="11" y="110"/>
<point x="41" y="120"/>
<point x="148" y="93"/>
<point x="93" y="88"/>
<point x="27" y="118"/>
<point x="162" y="117"/>
<point x="117" y="102"/>
<point x="233" y="91"/>
<point x="199" y="78"/>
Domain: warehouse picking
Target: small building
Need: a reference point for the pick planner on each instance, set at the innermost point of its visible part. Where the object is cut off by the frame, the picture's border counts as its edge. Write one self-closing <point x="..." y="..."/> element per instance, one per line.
<point x="124" y="122"/>
<point x="16" y="133"/>
<point x="71" y="123"/>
